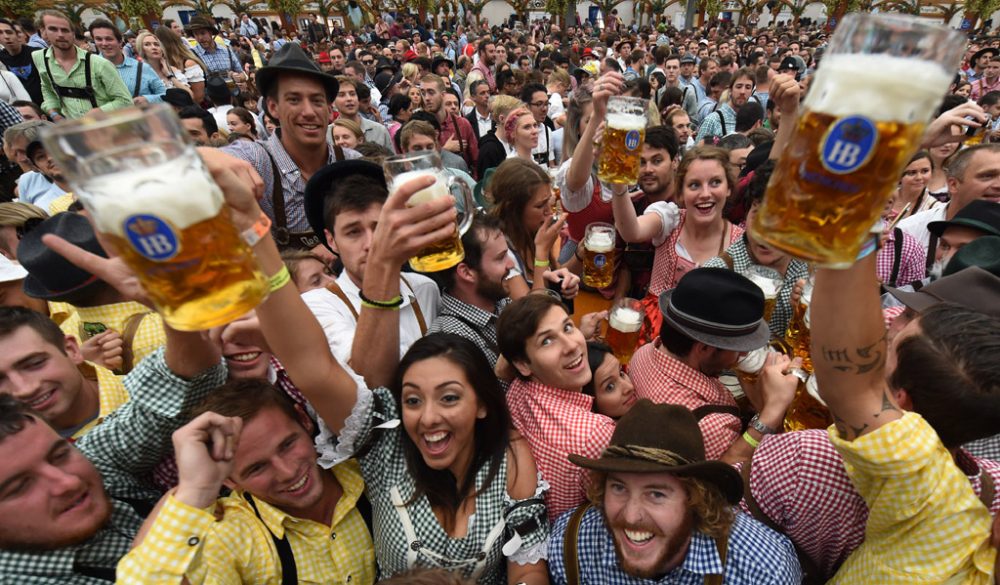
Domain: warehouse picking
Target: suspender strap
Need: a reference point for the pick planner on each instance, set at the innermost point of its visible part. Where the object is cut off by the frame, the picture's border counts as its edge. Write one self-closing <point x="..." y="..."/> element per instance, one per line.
<point x="931" y="252"/>
<point x="707" y="409"/>
<point x="102" y="573"/>
<point x="721" y="545"/>
<point x="727" y="258"/>
<point x="128" y="336"/>
<point x="280" y="231"/>
<point x="897" y="255"/>
<point x="86" y="75"/>
<point x="138" y="81"/>
<point x="722" y="120"/>
<point x="461" y="141"/>
<point x="335" y="289"/>
<point x="80" y="93"/>
<point x="289" y="573"/>
<point x="571" y="553"/>
<point x="987" y="489"/>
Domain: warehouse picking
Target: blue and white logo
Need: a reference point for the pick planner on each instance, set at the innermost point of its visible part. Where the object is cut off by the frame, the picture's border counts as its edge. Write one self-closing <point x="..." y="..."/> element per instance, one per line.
<point x="600" y="260"/>
<point x="849" y="144"/>
<point x="632" y="139"/>
<point x="152" y="237"/>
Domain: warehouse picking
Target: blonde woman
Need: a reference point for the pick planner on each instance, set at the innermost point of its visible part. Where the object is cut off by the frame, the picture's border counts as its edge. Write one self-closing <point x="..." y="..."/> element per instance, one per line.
<point x="347" y="133"/>
<point x="179" y="57"/>
<point x="151" y="52"/>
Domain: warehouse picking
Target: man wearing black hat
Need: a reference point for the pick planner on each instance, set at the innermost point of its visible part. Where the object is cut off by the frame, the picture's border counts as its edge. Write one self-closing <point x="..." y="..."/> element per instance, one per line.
<point x="298" y="94"/>
<point x="713" y="318"/>
<point x="665" y="512"/>
<point x="977" y="219"/>
<point x="978" y="63"/>
<point x="220" y="61"/>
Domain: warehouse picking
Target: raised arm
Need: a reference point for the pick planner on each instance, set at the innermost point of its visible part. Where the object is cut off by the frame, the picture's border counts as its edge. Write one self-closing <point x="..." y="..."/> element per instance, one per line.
<point x="609" y="84"/>
<point x="400" y="233"/>
<point x="785" y="93"/>
<point x="849" y="349"/>
<point x="633" y="228"/>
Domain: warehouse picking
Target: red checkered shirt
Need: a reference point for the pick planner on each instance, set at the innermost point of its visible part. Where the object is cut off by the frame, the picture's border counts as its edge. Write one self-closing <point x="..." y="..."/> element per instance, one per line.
<point x="558" y="423"/>
<point x="912" y="260"/>
<point x="664" y="379"/>
<point x="799" y="482"/>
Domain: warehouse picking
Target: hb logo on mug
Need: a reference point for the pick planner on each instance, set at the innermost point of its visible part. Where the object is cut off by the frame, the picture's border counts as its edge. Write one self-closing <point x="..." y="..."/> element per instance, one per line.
<point x="849" y="144"/>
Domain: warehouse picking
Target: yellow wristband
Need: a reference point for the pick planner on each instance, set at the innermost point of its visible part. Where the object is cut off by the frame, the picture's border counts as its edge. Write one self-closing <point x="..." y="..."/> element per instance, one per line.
<point x="754" y="443"/>
<point x="280" y="279"/>
<point x="382" y="307"/>
<point x="542" y="263"/>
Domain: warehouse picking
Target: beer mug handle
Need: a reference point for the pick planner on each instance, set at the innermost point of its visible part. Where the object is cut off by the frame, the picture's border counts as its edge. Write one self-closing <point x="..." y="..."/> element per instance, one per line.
<point x="468" y="204"/>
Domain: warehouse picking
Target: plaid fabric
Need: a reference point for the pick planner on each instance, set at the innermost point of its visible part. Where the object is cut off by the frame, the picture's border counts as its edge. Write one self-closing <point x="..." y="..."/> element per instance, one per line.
<point x="384" y="467"/>
<point x="470" y="322"/>
<point x="755" y="555"/>
<point x="220" y="60"/>
<point x="912" y="260"/>
<point x="558" y="423"/>
<point x="8" y="116"/>
<point x="783" y="308"/>
<point x="665" y="380"/>
<point x="988" y="448"/>
<point x="799" y="482"/>
<point x="292" y="183"/>
<point x="149" y="336"/>
<point x="711" y="125"/>
<point x="240" y="548"/>
<point x="124" y="448"/>
<point x="150" y="87"/>
<point x="925" y="523"/>
<point x="666" y="269"/>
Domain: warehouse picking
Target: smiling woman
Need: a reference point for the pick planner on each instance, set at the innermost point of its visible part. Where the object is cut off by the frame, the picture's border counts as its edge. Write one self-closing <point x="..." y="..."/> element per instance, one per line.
<point x="452" y="457"/>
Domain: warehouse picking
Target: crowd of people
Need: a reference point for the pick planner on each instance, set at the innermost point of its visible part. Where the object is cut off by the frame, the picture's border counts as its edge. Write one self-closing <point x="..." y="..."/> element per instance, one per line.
<point x="369" y="423"/>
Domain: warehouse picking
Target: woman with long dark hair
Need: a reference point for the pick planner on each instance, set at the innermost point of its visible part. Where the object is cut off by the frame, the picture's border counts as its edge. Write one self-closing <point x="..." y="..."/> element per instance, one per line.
<point x="436" y="448"/>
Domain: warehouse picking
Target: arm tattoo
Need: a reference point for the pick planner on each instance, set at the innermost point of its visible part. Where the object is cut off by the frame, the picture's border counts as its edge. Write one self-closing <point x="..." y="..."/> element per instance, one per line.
<point x="859" y="360"/>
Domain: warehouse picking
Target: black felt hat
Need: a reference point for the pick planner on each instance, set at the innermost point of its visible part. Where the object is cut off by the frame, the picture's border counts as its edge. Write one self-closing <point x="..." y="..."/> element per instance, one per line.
<point x="319" y="184"/>
<point x="290" y="58"/>
<point x="50" y="276"/>
<point x="980" y="214"/>
<point x="719" y="308"/>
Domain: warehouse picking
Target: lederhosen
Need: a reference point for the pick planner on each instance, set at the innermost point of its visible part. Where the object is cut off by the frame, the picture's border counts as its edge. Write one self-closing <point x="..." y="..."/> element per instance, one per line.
<point x="79" y="93"/>
<point x="282" y="236"/>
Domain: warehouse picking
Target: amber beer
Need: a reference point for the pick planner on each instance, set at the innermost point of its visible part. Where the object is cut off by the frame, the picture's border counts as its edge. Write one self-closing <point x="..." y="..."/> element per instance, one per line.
<point x="621" y="146"/>
<point x="174" y="232"/>
<point x="403" y="168"/>
<point x="797" y="336"/>
<point x="624" y="323"/>
<point x="807" y="411"/>
<point x="769" y="282"/>
<point x="863" y="119"/>
<point x="440" y="255"/>
<point x="599" y="255"/>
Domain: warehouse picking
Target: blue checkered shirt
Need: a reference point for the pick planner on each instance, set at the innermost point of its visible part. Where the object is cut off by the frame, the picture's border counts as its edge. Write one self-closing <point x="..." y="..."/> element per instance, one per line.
<point x="220" y="60"/>
<point x="150" y="87"/>
<point x="756" y="555"/>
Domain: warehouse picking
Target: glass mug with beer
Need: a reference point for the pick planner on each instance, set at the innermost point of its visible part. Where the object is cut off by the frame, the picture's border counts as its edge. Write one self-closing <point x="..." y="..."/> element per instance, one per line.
<point x="406" y="167"/>
<point x="881" y="79"/>
<point x="797" y="337"/>
<point x="624" y="322"/>
<point x="621" y="146"/>
<point x="151" y="196"/>
<point x="599" y="255"/>
<point x="769" y="281"/>
<point x="807" y="411"/>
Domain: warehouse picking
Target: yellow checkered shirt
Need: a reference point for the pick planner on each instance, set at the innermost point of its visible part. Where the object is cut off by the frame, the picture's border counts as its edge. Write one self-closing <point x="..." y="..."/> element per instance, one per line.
<point x="926" y="524"/>
<point x="186" y="541"/>
<point x="148" y="337"/>
<point x="61" y="203"/>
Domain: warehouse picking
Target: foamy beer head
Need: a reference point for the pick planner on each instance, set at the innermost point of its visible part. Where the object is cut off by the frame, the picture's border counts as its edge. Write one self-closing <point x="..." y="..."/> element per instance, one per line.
<point x="871" y="98"/>
<point x="621" y="144"/>
<point x="753" y="362"/>
<point x="625" y="320"/>
<point x="436" y="191"/>
<point x="600" y="241"/>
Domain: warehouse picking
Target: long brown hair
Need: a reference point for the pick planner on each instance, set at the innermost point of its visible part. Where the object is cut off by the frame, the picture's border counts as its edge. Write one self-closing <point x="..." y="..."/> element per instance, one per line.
<point x="175" y="51"/>
<point x="715" y="153"/>
<point x="512" y="188"/>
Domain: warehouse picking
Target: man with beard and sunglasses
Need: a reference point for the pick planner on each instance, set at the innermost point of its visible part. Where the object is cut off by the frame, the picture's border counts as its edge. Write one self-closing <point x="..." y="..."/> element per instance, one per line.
<point x="658" y="510"/>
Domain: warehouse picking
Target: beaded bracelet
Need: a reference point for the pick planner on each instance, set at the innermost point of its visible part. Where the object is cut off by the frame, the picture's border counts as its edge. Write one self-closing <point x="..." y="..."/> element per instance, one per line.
<point x="393" y="303"/>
